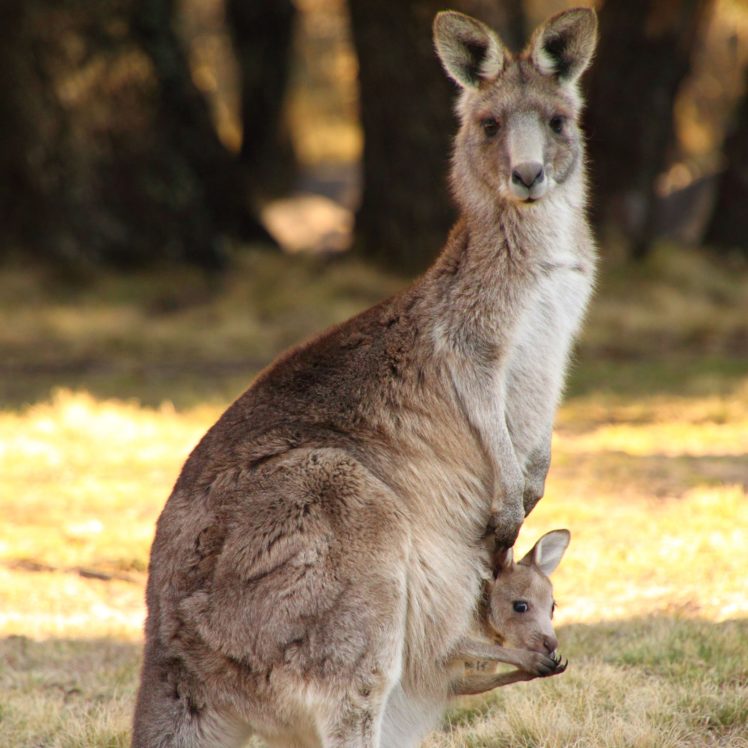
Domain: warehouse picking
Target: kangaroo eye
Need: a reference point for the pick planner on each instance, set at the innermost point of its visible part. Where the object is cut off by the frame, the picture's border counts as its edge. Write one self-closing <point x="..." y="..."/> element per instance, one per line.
<point x="490" y="126"/>
<point x="553" y="608"/>
<point x="557" y="124"/>
<point x="520" y="606"/>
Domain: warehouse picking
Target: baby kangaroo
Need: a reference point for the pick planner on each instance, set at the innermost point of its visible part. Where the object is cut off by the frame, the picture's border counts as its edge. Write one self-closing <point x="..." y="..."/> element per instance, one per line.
<point x="516" y="616"/>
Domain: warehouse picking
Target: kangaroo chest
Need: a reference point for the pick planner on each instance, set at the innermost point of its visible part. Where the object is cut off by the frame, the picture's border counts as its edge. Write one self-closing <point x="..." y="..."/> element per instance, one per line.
<point x="534" y="374"/>
<point x="550" y="318"/>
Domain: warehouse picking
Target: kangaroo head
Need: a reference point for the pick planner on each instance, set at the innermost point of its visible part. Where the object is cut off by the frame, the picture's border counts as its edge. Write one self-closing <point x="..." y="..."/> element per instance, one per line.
<point x="520" y="597"/>
<point x="519" y="138"/>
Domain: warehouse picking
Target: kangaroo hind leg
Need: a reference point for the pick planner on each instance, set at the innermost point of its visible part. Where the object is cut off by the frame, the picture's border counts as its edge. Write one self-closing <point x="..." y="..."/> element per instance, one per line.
<point x="168" y="713"/>
<point x="353" y="726"/>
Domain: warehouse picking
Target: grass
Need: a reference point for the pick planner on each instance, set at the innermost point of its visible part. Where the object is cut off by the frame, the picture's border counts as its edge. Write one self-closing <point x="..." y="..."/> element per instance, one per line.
<point x="648" y="682"/>
<point x="106" y="387"/>
<point x="169" y="335"/>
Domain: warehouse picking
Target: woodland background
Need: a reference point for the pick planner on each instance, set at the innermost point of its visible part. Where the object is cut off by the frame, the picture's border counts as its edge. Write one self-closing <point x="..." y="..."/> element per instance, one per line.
<point x="187" y="188"/>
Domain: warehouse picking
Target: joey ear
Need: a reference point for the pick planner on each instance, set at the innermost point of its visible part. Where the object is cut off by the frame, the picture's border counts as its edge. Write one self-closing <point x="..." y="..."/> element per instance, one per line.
<point x="563" y="46"/>
<point x="547" y="553"/>
<point x="469" y="51"/>
<point x="502" y="560"/>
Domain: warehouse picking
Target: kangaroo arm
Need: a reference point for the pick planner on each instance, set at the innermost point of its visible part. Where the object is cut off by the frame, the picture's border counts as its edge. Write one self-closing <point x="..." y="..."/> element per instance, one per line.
<point x="535" y="664"/>
<point x="529" y="665"/>
<point x="475" y="683"/>
<point x="469" y="648"/>
<point x="536" y="470"/>
<point x="507" y="511"/>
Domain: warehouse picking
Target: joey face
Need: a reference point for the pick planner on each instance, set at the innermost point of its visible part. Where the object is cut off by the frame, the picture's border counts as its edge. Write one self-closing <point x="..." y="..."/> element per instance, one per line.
<point x="520" y="603"/>
<point x="519" y="139"/>
<point x="521" y="610"/>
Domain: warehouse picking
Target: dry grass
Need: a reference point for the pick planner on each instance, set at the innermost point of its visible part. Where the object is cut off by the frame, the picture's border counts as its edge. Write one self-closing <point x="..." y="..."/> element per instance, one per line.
<point x="649" y="474"/>
<point x="654" y="683"/>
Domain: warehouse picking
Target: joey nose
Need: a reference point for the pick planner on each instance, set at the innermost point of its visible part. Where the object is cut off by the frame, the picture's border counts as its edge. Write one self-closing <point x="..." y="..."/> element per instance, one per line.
<point x="528" y="174"/>
<point x="550" y="643"/>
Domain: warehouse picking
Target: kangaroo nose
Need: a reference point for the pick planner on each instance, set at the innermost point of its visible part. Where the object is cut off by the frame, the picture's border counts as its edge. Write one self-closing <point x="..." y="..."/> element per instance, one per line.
<point x="550" y="643"/>
<point x="528" y="174"/>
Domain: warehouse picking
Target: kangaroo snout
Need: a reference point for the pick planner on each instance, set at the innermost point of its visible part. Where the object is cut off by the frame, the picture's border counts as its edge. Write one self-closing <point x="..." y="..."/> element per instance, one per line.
<point x="528" y="180"/>
<point x="528" y="174"/>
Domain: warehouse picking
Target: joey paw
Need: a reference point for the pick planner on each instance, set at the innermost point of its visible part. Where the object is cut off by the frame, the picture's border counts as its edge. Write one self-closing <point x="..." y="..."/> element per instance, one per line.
<point x="561" y="664"/>
<point x="538" y="664"/>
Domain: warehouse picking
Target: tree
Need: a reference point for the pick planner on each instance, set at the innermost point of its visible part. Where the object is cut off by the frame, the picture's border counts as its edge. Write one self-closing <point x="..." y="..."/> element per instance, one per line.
<point x="643" y="56"/>
<point x="407" y="119"/>
<point x="108" y="152"/>
<point x="31" y="134"/>
<point x="261" y="32"/>
<point x="507" y="17"/>
<point x="183" y="114"/>
<point x="728" y="226"/>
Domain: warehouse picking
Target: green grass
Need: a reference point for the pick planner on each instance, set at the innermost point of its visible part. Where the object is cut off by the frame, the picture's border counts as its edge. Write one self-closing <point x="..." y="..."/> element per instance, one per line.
<point x="646" y="682"/>
<point x="107" y="382"/>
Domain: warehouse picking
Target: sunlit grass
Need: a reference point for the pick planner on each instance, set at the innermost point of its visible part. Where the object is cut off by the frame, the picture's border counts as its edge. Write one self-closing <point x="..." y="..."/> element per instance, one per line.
<point x="649" y="473"/>
<point x="75" y="694"/>
<point x="83" y="481"/>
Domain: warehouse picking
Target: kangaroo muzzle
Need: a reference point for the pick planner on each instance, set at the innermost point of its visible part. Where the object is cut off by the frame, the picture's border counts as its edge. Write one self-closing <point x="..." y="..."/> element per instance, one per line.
<point x="528" y="175"/>
<point x="528" y="180"/>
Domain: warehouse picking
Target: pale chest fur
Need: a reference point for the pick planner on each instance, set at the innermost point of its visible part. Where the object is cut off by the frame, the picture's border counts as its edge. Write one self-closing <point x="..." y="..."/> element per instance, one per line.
<point x="532" y="374"/>
<point x="535" y="371"/>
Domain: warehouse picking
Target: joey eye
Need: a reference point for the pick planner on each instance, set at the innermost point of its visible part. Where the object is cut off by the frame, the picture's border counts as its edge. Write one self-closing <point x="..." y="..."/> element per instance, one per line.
<point x="556" y="123"/>
<point x="553" y="608"/>
<point x="490" y="126"/>
<point x="520" y="606"/>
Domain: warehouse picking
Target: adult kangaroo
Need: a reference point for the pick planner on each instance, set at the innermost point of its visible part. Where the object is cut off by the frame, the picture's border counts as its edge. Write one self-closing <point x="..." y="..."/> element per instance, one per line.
<point x="324" y="548"/>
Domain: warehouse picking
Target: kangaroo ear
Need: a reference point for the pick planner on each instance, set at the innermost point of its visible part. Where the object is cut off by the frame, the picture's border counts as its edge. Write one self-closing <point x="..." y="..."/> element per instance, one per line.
<point x="563" y="46"/>
<point x="470" y="52"/>
<point x="548" y="551"/>
<point x="503" y="560"/>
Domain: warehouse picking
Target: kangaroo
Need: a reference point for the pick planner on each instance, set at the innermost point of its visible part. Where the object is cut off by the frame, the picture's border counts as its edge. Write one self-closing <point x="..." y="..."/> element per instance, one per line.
<point x="323" y="549"/>
<point x="516" y="615"/>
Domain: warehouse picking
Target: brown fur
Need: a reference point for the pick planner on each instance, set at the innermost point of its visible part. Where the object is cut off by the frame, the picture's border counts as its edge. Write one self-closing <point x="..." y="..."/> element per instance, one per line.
<point x="324" y="547"/>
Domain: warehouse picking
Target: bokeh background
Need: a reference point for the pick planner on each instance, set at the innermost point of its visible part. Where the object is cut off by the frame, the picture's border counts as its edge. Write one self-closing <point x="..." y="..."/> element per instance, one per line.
<point x="189" y="187"/>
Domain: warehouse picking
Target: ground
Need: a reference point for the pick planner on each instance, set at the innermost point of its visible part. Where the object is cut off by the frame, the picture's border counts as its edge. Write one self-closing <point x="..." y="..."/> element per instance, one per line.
<point x="106" y="382"/>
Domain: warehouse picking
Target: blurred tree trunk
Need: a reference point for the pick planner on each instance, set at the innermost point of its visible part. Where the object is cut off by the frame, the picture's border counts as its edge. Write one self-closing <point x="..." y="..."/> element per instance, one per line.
<point x="30" y="125"/>
<point x="728" y="226"/>
<point x="507" y="17"/>
<point x="16" y="186"/>
<point x="406" y="104"/>
<point x="408" y="124"/>
<point x="108" y="153"/>
<point x="644" y="55"/>
<point x="262" y="33"/>
<point x="185" y="116"/>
